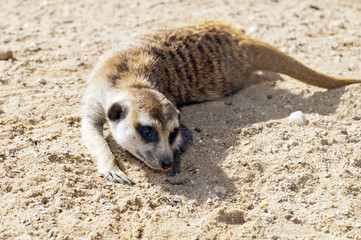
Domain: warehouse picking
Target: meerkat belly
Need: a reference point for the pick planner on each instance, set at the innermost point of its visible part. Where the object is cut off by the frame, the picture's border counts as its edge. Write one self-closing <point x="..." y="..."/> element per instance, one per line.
<point x="196" y="67"/>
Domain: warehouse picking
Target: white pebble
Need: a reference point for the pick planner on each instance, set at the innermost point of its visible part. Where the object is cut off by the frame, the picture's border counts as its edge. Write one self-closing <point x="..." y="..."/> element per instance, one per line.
<point x="297" y="118"/>
<point x="32" y="45"/>
<point x="252" y="29"/>
<point x="293" y="143"/>
<point x="177" y="199"/>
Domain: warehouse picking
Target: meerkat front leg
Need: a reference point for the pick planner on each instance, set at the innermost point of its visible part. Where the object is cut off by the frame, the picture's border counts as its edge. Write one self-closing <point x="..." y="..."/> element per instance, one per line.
<point x="92" y="132"/>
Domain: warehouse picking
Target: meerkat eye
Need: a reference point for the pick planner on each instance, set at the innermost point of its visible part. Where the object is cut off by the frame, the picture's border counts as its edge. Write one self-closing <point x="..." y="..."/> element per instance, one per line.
<point x="173" y="135"/>
<point x="148" y="133"/>
<point x="116" y="112"/>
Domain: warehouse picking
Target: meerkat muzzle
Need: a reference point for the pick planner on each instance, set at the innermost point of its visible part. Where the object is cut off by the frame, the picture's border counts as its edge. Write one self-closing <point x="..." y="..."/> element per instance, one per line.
<point x="167" y="163"/>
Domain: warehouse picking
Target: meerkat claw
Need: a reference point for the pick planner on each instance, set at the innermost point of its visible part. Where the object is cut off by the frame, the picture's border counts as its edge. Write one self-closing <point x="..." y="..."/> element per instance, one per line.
<point x="119" y="177"/>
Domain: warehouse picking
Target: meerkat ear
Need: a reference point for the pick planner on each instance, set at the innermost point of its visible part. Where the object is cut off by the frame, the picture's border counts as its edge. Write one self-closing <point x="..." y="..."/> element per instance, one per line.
<point x="117" y="112"/>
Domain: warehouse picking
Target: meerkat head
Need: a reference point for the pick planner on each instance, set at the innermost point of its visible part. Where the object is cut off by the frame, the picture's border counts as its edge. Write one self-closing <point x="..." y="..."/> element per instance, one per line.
<point x="146" y="124"/>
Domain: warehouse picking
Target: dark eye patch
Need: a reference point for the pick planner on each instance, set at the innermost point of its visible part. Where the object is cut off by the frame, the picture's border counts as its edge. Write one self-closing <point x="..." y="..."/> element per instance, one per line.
<point x="148" y="133"/>
<point x="117" y="112"/>
<point x="173" y="135"/>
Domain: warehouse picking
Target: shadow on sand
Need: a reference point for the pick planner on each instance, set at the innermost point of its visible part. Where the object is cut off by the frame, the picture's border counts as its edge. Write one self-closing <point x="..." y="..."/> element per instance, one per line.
<point x="212" y="126"/>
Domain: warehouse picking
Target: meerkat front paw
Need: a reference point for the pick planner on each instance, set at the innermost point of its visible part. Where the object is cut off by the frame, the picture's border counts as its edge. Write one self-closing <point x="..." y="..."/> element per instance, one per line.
<point x="116" y="175"/>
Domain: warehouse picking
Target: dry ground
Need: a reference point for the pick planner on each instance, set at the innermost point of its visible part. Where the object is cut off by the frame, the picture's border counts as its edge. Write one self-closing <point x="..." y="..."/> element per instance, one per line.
<point x="248" y="173"/>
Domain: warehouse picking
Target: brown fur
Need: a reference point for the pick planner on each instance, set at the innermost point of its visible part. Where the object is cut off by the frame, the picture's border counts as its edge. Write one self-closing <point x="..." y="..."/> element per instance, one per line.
<point x="204" y="61"/>
<point x="160" y="110"/>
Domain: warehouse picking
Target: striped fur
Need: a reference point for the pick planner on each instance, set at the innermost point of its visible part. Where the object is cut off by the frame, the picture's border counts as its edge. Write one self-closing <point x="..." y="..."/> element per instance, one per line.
<point x="208" y="60"/>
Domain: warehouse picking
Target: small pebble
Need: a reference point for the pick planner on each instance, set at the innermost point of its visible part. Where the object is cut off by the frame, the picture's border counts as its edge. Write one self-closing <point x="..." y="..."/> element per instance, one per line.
<point x="292" y="186"/>
<point x="5" y="55"/>
<point x="324" y="141"/>
<point x="52" y="157"/>
<point x="345" y="212"/>
<point x="220" y="190"/>
<point x="180" y="182"/>
<point x="314" y="7"/>
<point x="325" y="230"/>
<point x="344" y="132"/>
<point x="197" y="130"/>
<point x="50" y="233"/>
<point x="275" y="237"/>
<point x="44" y="200"/>
<point x="1" y="111"/>
<point x="288" y="107"/>
<point x="36" y="226"/>
<point x="42" y="81"/>
<point x="324" y="133"/>
<point x="293" y="143"/>
<point x="177" y="200"/>
<point x="66" y="168"/>
<point x="349" y="224"/>
<point x="252" y="29"/>
<point x="32" y="48"/>
<point x="338" y="24"/>
<point x="237" y="130"/>
<point x="274" y="150"/>
<point x="95" y="235"/>
<point x="270" y="220"/>
<point x="356" y="163"/>
<point x="297" y="118"/>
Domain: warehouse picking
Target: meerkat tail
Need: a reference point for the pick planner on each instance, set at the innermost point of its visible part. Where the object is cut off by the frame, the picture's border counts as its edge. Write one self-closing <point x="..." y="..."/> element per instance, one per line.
<point x="267" y="58"/>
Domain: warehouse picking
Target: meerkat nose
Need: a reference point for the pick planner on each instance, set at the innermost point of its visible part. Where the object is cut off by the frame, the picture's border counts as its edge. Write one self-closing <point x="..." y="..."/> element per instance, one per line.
<point x="166" y="163"/>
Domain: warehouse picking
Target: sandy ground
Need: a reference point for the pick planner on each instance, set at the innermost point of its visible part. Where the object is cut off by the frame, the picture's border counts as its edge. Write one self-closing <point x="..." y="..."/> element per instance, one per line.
<point x="247" y="174"/>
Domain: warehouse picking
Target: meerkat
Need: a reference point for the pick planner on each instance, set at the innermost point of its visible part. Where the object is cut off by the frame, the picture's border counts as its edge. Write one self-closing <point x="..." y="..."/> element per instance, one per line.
<point x="137" y="87"/>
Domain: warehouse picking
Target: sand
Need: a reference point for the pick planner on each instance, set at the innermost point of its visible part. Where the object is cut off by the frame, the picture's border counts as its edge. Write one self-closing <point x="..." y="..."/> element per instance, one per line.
<point x="248" y="173"/>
